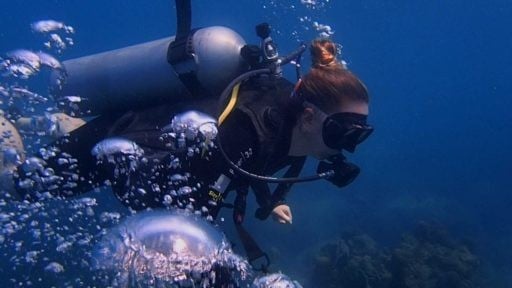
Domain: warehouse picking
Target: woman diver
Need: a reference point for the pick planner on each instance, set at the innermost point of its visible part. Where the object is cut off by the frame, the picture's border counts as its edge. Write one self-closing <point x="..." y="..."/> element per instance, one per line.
<point x="265" y="124"/>
<point x="269" y="124"/>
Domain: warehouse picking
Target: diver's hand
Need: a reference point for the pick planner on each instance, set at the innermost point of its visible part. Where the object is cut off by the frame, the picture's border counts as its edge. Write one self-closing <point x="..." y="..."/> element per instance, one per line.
<point x="282" y="214"/>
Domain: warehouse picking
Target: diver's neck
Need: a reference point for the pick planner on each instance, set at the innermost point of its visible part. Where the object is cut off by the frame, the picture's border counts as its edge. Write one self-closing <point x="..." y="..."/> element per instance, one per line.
<point x="297" y="143"/>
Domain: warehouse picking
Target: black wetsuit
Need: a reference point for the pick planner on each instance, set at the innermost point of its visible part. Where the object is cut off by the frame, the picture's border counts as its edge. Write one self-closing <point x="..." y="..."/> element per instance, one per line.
<point x="255" y="135"/>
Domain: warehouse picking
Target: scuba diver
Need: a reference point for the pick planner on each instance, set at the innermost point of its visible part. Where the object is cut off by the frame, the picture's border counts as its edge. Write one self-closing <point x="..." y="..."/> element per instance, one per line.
<point x="273" y="124"/>
<point x="265" y="124"/>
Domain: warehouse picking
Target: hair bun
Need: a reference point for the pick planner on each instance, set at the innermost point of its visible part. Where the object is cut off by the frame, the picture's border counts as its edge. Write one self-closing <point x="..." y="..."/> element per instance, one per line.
<point x="323" y="53"/>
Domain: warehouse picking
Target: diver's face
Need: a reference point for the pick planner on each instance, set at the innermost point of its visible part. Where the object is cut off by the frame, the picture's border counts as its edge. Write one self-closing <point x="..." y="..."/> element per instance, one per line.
<point x="341" y="128"/>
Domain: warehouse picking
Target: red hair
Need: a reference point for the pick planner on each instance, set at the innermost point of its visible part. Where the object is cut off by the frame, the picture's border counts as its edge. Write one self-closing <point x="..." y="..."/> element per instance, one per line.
<point x="328" y="83"/>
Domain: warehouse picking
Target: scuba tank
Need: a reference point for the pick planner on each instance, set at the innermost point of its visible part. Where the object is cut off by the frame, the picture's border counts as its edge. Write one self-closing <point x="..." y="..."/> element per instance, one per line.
<point x="141" y="75"/>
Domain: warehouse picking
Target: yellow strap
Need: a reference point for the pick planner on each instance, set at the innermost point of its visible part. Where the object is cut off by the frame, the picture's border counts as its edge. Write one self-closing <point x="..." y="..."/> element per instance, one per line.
<point x="231" y="104"/>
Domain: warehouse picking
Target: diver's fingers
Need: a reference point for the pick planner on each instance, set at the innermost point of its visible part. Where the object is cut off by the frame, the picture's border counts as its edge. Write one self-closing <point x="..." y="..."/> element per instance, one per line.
<point x="282" y="214"/>
<point x="287" y="215"/>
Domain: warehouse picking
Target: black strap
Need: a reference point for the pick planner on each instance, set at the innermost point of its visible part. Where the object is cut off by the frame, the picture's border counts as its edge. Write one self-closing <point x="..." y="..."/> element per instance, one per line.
<point x="252" y="250"/>
<point x="281" y="190"/>
<point x="184" y="17"/>
<point x="181" y="51"/>
<point x="294" y="171"/>
<point x="240" y="204"/>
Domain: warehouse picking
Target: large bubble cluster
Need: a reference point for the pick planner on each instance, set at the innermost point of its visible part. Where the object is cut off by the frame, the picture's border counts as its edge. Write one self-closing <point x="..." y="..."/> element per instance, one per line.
<point x="324" y="30"/>
<point x="118" y="150"/>
<point x="47" y="242"/>
<point x="189" y="135"/>
<point x="23" y="63"/>
<point x="192" y="130"/>
<point x="275" y="280"/>
<point x="307" y="14"/>
<point x="168" y="248"/>
<point x="20" y="69"/>
<point x="57" y="34"/>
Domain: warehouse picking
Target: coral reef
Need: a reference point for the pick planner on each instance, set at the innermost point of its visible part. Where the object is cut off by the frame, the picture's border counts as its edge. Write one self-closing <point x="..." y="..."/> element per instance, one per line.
<point x="428" y="257"/>
<point x="352" y="261"/>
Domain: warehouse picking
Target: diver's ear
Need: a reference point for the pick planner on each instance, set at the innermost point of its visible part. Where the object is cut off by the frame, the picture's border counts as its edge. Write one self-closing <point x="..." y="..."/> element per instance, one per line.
<point x="306" y="119"/>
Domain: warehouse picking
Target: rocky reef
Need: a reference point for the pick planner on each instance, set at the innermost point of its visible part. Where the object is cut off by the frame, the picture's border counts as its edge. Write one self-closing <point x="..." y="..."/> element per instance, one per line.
<point x="351" y="261"/>
<point x="427" y="257"/>
<point x="430" y="257"/>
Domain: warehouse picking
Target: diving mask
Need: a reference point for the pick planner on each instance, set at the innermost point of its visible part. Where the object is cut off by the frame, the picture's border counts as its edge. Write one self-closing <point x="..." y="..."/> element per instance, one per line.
<point x="345" y="130"/>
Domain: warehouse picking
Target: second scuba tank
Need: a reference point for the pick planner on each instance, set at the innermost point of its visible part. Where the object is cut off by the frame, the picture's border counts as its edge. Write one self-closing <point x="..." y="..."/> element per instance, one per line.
<point x="141" y="75"/>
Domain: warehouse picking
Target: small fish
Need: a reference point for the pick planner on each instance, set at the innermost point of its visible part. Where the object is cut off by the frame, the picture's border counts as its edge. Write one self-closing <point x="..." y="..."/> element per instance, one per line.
<point x="48" y="60"/>
<point x="116" y="145"/>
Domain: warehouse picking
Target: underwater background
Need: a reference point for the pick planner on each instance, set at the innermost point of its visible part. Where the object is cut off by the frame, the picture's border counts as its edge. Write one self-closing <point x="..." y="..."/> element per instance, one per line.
<point x="435" y="174"/>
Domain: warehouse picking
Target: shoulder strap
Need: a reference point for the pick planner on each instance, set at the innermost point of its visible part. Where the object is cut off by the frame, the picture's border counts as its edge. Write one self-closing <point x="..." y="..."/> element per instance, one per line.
<point x="231" y="104"/>
<point x="180" y="53"/>
<point x="252" y="249"/>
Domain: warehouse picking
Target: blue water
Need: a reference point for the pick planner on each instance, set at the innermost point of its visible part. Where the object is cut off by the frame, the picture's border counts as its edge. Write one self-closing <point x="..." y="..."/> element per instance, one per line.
<point x="439" y="77"/>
